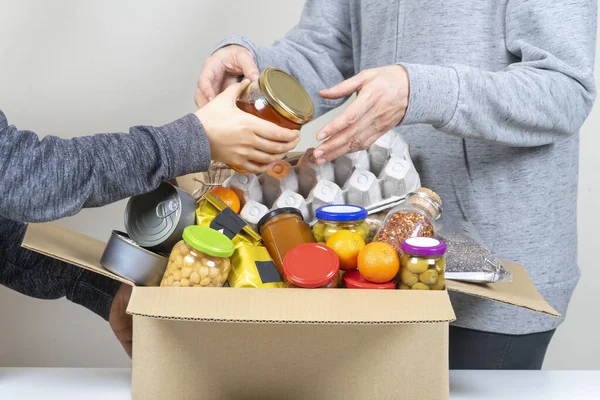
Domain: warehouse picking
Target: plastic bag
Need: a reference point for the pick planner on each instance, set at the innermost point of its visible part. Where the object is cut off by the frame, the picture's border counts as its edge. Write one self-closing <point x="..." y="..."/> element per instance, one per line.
<point x="467" y="258"/>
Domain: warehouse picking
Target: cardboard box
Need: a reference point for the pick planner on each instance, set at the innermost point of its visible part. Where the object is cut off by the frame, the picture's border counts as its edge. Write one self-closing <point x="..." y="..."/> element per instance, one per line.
<point x="223" y="343"/>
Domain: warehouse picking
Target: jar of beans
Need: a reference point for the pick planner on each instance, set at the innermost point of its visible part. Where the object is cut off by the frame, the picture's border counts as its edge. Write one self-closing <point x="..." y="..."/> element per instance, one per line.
<point x="414" y="217"/>
<point x="201" y="259"/>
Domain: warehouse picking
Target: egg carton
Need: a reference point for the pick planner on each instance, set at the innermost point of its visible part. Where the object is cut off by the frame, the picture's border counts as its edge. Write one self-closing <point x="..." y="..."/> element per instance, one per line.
<point x="376" y="179"/>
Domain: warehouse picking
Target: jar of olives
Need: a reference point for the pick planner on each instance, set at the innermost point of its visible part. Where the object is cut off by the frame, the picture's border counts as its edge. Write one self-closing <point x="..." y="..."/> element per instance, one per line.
<point x="422" y="264"/>
<point x="201" y="259"/>
<point x="337" y="217"/>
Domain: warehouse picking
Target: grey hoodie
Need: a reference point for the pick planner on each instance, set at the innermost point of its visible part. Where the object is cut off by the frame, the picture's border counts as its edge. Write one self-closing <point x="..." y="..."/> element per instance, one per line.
<point x="498" y="92"/>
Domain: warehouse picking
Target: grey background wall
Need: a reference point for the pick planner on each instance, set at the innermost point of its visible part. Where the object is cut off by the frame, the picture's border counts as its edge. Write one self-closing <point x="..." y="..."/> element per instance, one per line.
<point x="71" y="68"/>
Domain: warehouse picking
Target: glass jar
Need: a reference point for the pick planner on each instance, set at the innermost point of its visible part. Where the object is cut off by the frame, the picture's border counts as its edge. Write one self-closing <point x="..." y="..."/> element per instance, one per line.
<point x="422" y="264"/>
<point x="278" y="98"/>
<point x="354" y="280"/>
<point x="311" y="266"/>
<point x="282" y="230"/>
<point x="415" y="216"/>
<point x="334" y="218"/>
<point x="201" y="259"/>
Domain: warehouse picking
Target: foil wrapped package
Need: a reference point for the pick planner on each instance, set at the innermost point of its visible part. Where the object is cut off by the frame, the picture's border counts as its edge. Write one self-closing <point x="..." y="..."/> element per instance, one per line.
<point x="467" y="258"/>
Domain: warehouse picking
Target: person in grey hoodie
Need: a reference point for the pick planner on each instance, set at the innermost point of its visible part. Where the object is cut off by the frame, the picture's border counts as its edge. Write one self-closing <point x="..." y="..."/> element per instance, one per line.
<point x="52" y="178"/>
<point x="490" y="96"/>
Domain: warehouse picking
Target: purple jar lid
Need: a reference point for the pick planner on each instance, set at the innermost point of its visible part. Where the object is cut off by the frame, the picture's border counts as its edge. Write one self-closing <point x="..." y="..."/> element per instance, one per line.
<point x="424" y="246"/>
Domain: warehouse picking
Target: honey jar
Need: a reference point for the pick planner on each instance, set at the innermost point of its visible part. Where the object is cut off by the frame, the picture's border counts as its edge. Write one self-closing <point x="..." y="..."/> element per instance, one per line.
<point x="278" y="98"/>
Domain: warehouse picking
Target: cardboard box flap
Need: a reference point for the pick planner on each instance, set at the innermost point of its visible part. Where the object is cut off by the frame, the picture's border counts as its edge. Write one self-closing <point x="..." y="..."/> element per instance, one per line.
<point x="299" y="306"/>
<point x="63" y="244"/>
<point x="520" y="292"/>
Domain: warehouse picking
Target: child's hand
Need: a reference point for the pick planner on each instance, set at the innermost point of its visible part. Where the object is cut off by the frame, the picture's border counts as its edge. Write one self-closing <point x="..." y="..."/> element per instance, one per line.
<point x="238" y="138"/>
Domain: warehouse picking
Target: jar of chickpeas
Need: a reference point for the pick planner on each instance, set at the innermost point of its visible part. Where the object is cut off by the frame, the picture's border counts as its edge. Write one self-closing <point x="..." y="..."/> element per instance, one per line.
<point x="422" y="264"/>
<point x="201" y="259"/>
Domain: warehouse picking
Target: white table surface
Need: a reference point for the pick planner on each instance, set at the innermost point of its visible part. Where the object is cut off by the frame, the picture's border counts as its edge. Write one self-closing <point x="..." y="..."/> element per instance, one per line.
<point x="115" y="384"/>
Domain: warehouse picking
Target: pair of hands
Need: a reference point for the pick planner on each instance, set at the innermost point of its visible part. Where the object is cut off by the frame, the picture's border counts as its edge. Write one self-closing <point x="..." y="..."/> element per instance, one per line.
<point x="380" y="105"/>
<point x="239" y="138"/>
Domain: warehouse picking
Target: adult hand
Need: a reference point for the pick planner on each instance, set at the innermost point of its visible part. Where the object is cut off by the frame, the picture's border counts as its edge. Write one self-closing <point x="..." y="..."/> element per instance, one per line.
<point x="241" y="139"/>
<point x="379" y="106"/>
<point x="221" y="70"/>
<point x="118" y="319"/>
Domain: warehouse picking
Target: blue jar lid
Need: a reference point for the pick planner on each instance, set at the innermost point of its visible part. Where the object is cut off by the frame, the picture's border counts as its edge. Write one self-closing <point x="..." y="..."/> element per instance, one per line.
<point x="341" y="213"/>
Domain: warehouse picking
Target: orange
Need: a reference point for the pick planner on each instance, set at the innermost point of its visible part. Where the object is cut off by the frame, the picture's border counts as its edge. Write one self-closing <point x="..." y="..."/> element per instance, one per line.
<point x="228" y="196"/>
<point x="378" y="262"/>
<point x="346" y="245"/>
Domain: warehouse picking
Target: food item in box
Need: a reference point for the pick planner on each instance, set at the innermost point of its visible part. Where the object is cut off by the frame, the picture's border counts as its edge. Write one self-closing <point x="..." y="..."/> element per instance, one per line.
<point x="213" y="213"/>
<point x="311" y="266"/>
<point x="347" y="245"/>
<point x="380" y="151"/>
<point x="246" y="186"/>
<point x="252" y="213"/>
<point x="282" y="230"/>
<point x="291" y="199"/>
<point x="279" y="177"/>
<point x="398" y="176"/>
<point x="201" y="259"/>
<point x="156" y="220"/>
<point x="363" y="188"/>
<point x="309" y="173"/>
<point x="252" y="267"/>
<point x="467" y="258"/>
<point x="228" y="196"/>
<point x="378" y="262"/>
<point x="334" y="218"/>
<point x="354" y="280"/>
<point x="415" y="216"/>
<point x="277" y="97"/>
<point x="347" y="163"/>
<point x="422" y="263"/>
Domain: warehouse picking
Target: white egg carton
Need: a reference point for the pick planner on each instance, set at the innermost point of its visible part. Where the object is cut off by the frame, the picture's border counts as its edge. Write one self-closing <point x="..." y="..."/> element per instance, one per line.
<point x="377" y="179"/>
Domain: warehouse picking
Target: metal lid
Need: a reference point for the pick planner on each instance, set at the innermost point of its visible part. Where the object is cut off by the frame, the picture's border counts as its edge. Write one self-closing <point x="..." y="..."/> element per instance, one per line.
<point x="424" y="246"/>
<point x="286" y="95"/>
<point x="274" y="213"/>
<point x="151" y="218"/>
<point x="354" y="280"/>
<point x="311" y="265"/>
<point x="342" y="213"/>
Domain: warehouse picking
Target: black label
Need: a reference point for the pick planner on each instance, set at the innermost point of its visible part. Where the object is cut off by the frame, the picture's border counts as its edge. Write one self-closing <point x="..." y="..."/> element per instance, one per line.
<point x="229" y="222"/>
<point x="267" y="271"/>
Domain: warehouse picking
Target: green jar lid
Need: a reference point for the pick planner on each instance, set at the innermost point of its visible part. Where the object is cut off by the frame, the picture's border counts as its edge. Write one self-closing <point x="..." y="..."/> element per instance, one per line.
<point x="208" y="241"/>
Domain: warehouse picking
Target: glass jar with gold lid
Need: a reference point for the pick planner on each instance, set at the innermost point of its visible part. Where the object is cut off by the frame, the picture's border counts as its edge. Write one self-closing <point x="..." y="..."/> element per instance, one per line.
<point x="278" y="98"/>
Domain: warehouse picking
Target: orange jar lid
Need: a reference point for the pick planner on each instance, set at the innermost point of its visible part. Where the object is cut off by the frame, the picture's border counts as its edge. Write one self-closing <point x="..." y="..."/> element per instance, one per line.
<point x="354" y="280"/>
<point x="311" y="265"/>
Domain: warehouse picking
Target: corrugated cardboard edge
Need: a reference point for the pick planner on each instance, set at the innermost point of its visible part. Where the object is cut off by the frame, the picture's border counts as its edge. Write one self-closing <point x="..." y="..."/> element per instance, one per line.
<point x="293" y="306"/>
<point x="520" y="292"/>
<point x="71" y="247"/>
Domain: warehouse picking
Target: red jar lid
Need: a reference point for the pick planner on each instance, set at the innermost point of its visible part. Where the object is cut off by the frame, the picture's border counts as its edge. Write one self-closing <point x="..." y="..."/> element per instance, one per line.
<point x="354" y="280"/>
<point x="311" y="265"/>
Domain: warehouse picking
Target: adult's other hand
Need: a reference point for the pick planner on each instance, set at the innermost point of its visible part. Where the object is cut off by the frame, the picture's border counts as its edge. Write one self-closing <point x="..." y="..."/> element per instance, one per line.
<point x="224" y="68"/>
<point x="120" y="322"/>
<point x="379" y="106"/>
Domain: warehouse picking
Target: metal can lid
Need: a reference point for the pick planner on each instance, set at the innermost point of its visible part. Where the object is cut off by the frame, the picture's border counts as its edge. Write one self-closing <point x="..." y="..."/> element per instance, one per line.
<point x="151" y="218"/>
<point x="286" y="95"/>
<point x="341" y="213"/>
<point x="424" y="246"/>
<point x="311" y="265"/>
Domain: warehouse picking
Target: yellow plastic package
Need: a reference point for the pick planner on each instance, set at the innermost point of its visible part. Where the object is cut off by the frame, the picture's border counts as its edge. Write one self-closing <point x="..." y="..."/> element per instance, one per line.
<point x="251" y="264"/>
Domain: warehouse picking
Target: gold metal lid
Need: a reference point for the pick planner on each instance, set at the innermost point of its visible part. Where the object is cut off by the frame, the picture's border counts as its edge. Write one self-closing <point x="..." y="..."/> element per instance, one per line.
<point x="286" y="95"/>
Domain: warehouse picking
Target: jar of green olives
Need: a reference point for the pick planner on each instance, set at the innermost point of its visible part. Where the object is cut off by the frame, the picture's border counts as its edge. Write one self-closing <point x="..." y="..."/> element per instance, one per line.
<point x="337" y="217"/>
<point x="422" y="264"/>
